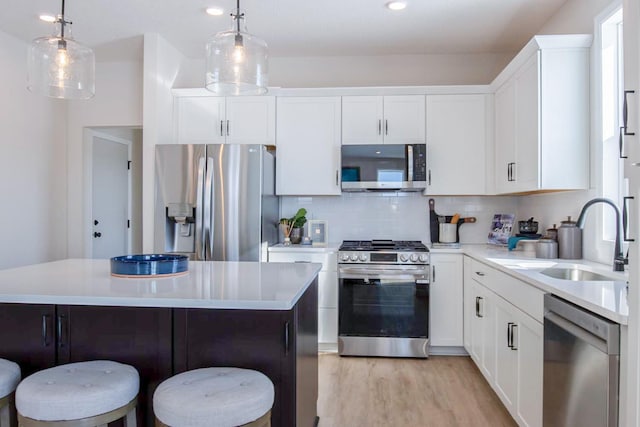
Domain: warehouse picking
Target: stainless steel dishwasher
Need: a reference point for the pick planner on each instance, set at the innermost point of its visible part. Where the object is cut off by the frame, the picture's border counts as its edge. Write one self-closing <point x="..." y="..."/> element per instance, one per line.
<point x="581" y="366"/>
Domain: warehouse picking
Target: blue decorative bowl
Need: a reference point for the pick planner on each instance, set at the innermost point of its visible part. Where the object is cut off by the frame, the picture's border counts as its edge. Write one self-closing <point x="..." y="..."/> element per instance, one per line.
<point x="153" y="265"/>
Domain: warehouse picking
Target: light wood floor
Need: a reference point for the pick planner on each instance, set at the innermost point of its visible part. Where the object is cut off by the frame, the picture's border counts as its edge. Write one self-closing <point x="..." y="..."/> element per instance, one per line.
<point x="440" y="391"/>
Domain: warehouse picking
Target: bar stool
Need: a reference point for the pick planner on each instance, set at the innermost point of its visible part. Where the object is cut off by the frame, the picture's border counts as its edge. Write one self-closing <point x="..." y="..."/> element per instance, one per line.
<point x="79" y="394"/>
<point x="9" y="379"/>
<point x="214" y="397"/>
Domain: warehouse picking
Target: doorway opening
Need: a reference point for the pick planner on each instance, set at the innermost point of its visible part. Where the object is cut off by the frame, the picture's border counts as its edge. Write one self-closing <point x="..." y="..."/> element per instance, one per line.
<point x="113" y="191"/>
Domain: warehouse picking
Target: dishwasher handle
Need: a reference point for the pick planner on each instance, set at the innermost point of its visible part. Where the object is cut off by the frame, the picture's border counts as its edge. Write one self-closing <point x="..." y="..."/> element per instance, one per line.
<point x="600" y="332"/>
<point x="577" y="331"/>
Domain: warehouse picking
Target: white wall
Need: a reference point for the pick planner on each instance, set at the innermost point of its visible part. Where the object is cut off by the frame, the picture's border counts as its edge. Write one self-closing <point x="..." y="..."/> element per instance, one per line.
<point x="356" y="71"/>
<point x="162" y="65"/>
<point x="574" y="17"/>
<point x="32" y="166"/>
<point x="118" y="102"/>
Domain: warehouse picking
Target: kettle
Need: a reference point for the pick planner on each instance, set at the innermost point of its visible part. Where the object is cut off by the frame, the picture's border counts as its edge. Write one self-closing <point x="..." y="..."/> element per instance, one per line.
<point x="569" y="240"/>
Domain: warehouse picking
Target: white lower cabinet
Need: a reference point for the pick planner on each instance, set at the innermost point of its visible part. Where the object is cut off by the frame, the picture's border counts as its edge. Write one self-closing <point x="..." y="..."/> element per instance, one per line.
<point x="445" y="298"/>
<point x="327" y="284"/>
<point x="505" y="341"/>
<point x="480" y="324"/>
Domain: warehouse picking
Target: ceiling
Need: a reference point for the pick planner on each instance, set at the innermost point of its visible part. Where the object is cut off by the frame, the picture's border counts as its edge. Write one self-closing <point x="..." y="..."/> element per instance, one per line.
<point x="114" y="28"/>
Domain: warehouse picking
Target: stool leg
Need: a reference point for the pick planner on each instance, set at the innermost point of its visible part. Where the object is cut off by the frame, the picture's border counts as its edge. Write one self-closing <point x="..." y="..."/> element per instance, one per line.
<point x="130" y="420"/>
<point x="5" y="417"/>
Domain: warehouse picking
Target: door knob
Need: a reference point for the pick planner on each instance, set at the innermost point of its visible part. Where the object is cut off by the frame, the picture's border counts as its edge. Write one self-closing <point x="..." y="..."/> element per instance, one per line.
<point x="97" y="234"/>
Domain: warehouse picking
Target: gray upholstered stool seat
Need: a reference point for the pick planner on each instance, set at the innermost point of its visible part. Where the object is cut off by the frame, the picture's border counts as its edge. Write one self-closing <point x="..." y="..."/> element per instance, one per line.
<point x="82" y="391"/>
<point x="9" y="379"/>
<point x="208" y="397"/>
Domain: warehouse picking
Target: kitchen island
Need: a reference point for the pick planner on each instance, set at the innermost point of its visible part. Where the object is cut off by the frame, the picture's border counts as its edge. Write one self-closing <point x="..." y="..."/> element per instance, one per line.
<point x="260" y="316"/>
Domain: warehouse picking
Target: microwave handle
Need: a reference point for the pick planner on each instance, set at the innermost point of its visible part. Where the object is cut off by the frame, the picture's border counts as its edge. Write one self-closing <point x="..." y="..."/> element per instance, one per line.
<point x="410" y="163"/>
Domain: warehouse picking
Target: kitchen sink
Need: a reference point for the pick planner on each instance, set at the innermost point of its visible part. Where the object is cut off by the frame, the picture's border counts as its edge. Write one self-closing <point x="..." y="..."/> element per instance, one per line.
<point x="575" y="274"/>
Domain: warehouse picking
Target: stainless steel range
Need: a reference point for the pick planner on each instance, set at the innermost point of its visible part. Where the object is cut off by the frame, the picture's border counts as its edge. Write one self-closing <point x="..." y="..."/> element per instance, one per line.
<point x="383" y="298"/>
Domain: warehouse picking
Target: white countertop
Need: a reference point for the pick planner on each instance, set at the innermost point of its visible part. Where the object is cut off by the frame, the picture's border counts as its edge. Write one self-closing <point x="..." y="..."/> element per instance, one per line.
<point x="605" y="298"/>
<point x="306" y="248"/>
<point x="208" y="284"/>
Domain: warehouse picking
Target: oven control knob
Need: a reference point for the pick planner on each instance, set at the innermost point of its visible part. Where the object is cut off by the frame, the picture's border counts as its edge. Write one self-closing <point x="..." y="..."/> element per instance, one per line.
<point x="414" y="258"/>
<point x="363" y="258"/>
<point x="354" y="257"/>
<point x="345" y="257"/>
<point x="404" y="258"/>
<point x="424" y="258"/>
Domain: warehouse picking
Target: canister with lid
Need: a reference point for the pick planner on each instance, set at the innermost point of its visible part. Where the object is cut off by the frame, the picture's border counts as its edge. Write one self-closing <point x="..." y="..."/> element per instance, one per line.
<point x="546" y="248"/>
<point x="569" y="240"/>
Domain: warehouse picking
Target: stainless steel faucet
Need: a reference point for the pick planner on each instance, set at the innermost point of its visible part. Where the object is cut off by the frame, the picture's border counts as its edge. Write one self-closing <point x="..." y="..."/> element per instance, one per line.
<point x="619" y="260"/>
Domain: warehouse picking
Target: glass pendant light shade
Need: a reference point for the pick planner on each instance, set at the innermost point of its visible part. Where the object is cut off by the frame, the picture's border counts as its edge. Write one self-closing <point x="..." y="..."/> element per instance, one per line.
<point x="60" y="67"/>
<point x="237" y="62"/>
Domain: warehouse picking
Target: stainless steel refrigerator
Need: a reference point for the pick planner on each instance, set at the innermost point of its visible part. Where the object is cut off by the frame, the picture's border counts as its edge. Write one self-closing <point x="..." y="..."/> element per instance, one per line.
<point x="215" y="202"/>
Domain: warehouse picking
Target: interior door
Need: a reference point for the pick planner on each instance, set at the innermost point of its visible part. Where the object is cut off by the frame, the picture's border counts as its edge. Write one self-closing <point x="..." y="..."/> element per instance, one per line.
<point x="111" y="196"/>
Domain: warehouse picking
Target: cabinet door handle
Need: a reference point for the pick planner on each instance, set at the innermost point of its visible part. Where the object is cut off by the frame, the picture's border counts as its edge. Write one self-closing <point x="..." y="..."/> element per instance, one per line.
<point x="46" y="320"/>
<point x="379" y="126"/>
<point x="62" y="330"/>
<point x="514" y="337"/>
<point x="625" y="113"/>
<point x="227" y="127"/>
<point x="625" y="219"/>
<point x="510" y="335"/>
<point x="433" y="273"/>
<point x="479" y="311"/>
<point x="510" y="174"/>
<point x="337" y="178"/>
<point x="286" y="338"/>
<point x="386" y="127"/>
<point x="621" y="142"/>
<point x="429" y="177"/>
<point x="221" y="124"/>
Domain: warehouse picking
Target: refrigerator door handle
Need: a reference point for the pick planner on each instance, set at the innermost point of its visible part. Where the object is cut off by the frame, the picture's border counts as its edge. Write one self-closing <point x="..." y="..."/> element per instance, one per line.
<point x="200" y="235"/>
<point x="208" y="211"/>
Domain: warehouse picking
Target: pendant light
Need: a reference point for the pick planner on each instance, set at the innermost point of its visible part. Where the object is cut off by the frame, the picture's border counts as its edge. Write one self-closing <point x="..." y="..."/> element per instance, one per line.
<point x="60" y="67"/>
<point x="236" y="62"/>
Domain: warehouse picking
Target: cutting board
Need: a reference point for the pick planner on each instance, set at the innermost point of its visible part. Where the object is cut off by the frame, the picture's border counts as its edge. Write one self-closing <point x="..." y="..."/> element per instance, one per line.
<point x="434" y="228"/>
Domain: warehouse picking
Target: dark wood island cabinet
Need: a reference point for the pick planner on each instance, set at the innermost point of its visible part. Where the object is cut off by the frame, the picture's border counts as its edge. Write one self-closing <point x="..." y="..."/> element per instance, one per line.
<point x="160" y="341"/>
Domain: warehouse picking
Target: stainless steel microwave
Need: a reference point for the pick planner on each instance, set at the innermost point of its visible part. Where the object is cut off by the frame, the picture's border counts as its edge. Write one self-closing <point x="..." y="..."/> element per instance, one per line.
<point x="397" y="167"/>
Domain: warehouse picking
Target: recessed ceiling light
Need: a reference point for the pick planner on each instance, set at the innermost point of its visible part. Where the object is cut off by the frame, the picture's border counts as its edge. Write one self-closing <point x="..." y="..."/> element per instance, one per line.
<point x="47" y="18"/>
<point x="396" y="5"/>
<point x="215" y="11"/>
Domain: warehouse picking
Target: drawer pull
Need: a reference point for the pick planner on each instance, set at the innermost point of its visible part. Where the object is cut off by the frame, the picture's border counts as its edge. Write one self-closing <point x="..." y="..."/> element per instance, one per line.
<point x="480" y="273"/>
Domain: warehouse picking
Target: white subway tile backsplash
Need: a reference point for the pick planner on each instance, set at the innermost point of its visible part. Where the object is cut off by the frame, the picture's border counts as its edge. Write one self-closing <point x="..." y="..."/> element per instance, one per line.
<point x="398" y="216"/>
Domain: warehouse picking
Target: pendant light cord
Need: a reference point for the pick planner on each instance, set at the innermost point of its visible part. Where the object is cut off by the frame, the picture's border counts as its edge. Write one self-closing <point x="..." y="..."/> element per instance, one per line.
<point x="62" y="21"/>
<point x="237" y="15"/>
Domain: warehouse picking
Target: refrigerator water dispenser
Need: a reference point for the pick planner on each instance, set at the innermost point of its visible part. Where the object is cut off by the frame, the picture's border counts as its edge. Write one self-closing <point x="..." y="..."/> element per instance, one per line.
<point x="180" y="228"/>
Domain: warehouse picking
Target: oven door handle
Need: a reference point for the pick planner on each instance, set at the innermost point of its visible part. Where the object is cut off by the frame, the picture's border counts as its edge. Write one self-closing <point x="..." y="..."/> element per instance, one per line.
<point x="419" y="278"/>
<point x="370" y="272"/>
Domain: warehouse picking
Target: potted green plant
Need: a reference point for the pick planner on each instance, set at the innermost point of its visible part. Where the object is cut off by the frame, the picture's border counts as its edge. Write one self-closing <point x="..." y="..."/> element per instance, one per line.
<point x="292" y="227"/>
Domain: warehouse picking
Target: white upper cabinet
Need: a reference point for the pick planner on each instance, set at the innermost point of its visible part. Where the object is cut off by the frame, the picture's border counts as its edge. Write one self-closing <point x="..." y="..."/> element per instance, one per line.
<point x="199" y="119"/>
<point x="251" y="120"/>
<point x="308" y="146"/>
<point x="218" y="120"/>
<point x="383" y="119"/>
<point x="542" y="117"/>
<point x="457" y="135"/>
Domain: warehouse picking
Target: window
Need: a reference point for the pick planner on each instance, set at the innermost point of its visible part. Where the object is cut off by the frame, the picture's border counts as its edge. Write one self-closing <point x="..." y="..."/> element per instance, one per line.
<point x="612" y="184"/>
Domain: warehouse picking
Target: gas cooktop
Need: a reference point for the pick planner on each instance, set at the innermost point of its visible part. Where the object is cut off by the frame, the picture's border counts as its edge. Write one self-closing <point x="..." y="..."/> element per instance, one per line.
<point x="384" y="245"/>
